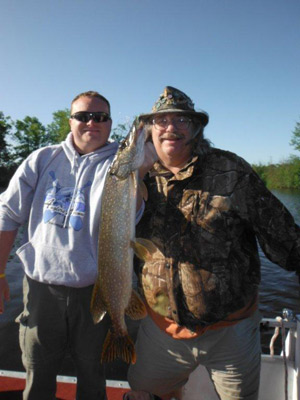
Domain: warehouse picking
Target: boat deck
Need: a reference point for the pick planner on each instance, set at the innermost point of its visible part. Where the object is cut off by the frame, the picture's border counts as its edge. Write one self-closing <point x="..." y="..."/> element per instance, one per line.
<point x="279" y="375"/>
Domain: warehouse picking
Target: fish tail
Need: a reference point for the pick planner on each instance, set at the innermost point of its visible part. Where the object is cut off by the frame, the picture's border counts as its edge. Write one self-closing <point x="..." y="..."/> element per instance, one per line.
<point x="118" y="347"/>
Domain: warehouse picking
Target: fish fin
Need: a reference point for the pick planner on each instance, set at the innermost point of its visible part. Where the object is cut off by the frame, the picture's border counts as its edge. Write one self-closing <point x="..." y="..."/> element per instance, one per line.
<point x="136" y="308"/>
<point x="144" y="249"/>
<point x="97" y="307"/>
<point x="118" y="347"/>
<point x="143" y="189"/>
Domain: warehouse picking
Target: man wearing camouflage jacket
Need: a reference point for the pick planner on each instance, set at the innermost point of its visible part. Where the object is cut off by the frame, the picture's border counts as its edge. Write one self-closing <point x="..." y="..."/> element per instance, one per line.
<point x="206" y="210"/>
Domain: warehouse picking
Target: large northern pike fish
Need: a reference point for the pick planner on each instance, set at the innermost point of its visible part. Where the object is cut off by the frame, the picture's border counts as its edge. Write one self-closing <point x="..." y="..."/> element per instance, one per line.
<point x="112" y="291"/>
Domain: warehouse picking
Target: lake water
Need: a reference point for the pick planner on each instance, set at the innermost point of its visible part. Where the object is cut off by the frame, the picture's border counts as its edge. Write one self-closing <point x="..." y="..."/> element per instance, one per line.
<point x="279" y="289"/>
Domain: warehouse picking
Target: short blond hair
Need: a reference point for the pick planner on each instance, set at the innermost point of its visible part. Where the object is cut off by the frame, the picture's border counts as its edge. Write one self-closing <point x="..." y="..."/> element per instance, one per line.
<point x="91" y="93"/>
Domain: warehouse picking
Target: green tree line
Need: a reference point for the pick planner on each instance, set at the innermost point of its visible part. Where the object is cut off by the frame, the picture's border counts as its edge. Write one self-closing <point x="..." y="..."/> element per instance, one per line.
<point x="286" y="174"/>
<point x="20" y="138"/>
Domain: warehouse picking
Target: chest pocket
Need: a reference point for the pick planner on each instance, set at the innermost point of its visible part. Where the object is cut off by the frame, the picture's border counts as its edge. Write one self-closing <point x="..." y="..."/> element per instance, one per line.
<point x="205" y="210"/>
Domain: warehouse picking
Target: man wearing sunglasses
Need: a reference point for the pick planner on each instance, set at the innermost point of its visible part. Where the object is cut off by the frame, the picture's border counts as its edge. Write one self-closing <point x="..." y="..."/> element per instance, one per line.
<point x="90" y="123"/>
<point x="205" y="212"/>
<point x="57" y="191"/>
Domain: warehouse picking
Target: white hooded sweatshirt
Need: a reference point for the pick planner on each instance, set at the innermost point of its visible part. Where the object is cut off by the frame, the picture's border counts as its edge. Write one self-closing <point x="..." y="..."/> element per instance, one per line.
<point x="58" y="193"/>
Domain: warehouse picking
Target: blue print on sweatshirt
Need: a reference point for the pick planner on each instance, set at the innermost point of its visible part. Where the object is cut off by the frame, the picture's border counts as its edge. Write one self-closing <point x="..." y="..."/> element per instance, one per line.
<point x="58" y="204"/>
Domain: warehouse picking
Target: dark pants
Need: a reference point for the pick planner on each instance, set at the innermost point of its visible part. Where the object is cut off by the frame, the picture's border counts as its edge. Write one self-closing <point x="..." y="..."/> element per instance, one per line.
<point x="56" y="319"/>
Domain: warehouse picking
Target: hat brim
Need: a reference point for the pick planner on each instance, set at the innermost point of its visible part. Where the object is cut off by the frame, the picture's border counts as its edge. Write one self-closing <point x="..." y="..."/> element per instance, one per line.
<point x="201" y="115"/>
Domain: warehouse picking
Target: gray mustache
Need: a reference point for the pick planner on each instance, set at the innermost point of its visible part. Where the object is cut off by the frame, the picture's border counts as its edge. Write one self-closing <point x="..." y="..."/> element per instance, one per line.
<point x="172" y="136"/>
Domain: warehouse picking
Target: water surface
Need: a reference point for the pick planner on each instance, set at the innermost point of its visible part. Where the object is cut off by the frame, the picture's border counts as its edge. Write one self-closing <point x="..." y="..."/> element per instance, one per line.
<point x="279" y="288"/>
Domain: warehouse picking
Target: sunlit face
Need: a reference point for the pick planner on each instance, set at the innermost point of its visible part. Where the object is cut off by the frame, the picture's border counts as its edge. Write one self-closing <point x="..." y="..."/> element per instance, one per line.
<point x="172" y="142"/>
<point x="89" y="136"/>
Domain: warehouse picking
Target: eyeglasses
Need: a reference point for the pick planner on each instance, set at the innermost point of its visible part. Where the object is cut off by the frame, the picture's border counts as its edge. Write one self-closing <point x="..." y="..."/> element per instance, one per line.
<point x="180" y="122"/>
<point x="86" y="116"/>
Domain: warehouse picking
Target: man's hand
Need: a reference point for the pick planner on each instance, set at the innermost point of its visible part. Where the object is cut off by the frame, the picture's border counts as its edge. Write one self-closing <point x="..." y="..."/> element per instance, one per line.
<point x="150" y="158"/>
<point x="4" y="293"/>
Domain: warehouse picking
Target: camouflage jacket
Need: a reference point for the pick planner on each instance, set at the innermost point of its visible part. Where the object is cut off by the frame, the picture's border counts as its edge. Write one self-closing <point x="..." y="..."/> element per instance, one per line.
<point x="204" y="222"/>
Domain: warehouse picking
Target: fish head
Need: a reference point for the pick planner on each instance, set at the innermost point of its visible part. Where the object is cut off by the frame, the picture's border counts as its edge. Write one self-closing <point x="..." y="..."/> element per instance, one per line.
<point x="130" y="154"/>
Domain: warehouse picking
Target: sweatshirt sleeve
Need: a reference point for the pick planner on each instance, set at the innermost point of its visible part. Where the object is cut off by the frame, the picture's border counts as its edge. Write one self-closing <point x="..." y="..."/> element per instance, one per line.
<point x="15" y="202"/>
<point x="274" y="226"/>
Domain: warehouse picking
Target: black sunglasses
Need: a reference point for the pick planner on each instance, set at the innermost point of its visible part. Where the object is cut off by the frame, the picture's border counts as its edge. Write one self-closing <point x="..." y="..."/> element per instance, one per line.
<point x="86" y="116"/>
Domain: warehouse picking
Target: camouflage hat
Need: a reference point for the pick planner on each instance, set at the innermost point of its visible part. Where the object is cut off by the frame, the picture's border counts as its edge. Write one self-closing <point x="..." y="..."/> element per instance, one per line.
<point x="173" y="100"/>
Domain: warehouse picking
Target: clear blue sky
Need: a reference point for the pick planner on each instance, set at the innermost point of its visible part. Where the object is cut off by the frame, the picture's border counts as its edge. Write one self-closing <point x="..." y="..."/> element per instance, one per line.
<point x="237" y="59"/>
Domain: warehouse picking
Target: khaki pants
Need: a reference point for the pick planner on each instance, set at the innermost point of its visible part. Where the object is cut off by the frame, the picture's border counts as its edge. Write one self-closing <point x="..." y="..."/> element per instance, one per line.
<point x="56" y="319"/>
<point x="231" y="355"/>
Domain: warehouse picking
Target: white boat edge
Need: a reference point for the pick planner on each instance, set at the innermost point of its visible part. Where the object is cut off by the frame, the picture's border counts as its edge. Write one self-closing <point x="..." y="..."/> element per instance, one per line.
<point x="63" y="379"/>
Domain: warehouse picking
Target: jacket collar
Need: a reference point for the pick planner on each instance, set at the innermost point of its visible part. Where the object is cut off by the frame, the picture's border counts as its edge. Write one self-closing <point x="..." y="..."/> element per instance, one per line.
<point x="186" y="171"/>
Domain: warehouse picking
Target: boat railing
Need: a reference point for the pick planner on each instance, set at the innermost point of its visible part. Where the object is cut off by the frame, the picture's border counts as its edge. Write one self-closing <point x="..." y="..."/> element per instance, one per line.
<point x="286" y="327"/>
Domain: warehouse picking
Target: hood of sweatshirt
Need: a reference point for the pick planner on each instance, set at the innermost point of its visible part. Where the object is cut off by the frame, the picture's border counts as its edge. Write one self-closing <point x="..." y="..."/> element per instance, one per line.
<point x="75" y="158"/>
